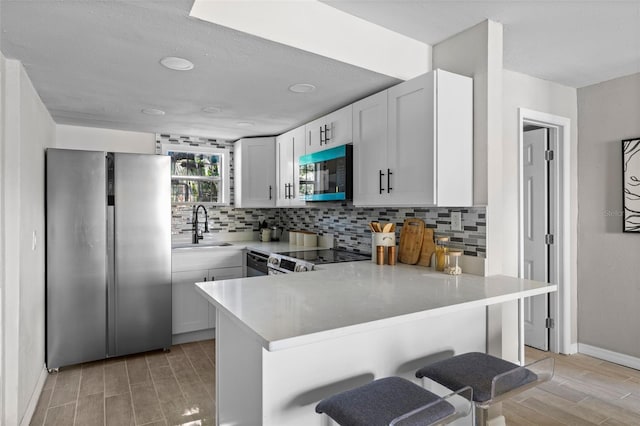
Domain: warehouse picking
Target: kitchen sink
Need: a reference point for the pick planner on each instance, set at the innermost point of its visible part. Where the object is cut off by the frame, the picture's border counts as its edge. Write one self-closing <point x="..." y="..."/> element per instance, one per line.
<point x="201" y="245"/>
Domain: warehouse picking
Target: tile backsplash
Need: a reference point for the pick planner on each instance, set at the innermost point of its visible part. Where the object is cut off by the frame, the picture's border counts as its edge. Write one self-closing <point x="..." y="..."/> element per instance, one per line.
<point x="347" y="224"/>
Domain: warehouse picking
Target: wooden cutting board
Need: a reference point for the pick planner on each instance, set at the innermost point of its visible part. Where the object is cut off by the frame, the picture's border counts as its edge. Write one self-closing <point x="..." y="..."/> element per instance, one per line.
<point x="428" y="247"/>
<point x="411" y="237"/>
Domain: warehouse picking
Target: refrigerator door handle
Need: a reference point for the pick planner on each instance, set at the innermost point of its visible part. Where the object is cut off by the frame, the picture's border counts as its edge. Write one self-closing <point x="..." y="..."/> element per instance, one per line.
<point x="112" y="350"/>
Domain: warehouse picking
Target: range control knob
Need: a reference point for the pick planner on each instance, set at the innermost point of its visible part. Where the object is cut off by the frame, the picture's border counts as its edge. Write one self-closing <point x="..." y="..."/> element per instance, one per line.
<point x="274" y="261"/>
<point x="301" y="268"/>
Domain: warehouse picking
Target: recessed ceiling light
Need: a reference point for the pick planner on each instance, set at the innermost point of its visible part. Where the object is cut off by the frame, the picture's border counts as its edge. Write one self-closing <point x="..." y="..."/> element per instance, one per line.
<point x="211" y="110"/>
<point x="152" y="111"/>
<point x="244" y="124"/>
<point x="302" y="88"/>
<point x="177" y="64"/>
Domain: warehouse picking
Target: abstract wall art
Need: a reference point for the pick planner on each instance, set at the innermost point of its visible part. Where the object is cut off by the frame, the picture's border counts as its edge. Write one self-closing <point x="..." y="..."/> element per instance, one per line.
<point x="631" y="182"/>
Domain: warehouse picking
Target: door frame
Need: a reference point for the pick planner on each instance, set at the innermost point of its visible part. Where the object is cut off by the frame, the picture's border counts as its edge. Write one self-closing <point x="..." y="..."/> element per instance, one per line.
<point x="560" y="301"/>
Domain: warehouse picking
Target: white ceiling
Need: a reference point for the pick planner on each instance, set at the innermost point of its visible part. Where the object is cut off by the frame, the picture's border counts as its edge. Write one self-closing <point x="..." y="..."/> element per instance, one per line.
<point x="95" y="63"/>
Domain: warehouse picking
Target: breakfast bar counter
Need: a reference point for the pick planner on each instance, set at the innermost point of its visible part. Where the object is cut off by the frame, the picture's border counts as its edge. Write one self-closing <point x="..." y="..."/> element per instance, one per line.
<point x="285" y="342"/>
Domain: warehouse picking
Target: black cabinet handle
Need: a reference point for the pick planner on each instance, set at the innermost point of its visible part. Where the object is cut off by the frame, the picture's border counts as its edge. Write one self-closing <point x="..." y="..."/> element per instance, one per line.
<point x="269" y="191"/>
<point x="213" y="278"/>
<point x="321" y="135"/>
<point x="380" y="181"/>
<point x="326" y="134"/>
<point x="389" y="188"/>
<point x="205" y="278"/>
<point x="287" y="192"/>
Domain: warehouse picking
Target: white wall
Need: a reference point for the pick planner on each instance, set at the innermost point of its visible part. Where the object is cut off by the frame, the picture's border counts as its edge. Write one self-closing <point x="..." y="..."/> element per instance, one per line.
<point x="28" y="130"/>
<point x="93" y="138"/>
<point x="523" y="91"/>
<point x="477" y="52"/>
<point x="608" y="266"/>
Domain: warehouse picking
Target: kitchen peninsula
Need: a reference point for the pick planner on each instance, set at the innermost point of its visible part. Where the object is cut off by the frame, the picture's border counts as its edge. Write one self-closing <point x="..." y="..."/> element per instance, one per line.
<point x="285" y="342"/>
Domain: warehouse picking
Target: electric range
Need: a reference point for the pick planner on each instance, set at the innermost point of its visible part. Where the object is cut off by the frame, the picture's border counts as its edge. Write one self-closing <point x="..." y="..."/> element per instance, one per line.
<point x="303" y="261"/>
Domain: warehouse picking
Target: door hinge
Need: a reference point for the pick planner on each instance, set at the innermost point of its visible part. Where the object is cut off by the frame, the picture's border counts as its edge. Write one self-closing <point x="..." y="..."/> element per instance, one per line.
<point x="548" y="239"/>
<point x="549" y="323"/>
<point x="548" y="155"/>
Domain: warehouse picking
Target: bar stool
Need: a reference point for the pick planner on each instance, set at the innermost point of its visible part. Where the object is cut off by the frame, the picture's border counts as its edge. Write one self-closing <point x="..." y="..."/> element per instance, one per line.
<point x="492" y="379"/>
<point x="394" y="401"/>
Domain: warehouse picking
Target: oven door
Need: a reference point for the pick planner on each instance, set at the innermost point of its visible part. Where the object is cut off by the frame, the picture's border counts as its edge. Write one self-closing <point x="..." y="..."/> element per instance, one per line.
<point x="257" y="264"/>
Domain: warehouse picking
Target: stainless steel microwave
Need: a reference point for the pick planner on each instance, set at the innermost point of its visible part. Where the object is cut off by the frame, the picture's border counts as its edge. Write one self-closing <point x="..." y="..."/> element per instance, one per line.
<point x="327" y="175"/>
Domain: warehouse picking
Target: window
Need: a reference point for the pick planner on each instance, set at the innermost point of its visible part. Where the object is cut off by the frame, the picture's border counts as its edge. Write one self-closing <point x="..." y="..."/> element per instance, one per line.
<point x="199" y="174"/>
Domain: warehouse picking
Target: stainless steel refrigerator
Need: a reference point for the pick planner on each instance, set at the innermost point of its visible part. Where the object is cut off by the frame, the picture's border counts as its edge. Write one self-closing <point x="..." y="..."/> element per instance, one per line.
<point x="108" y="255"/>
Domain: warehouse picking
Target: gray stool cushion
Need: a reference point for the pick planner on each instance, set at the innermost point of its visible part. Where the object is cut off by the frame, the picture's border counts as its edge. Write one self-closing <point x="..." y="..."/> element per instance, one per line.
<point x="477" y="370"/>
<point x="381" y="401"/>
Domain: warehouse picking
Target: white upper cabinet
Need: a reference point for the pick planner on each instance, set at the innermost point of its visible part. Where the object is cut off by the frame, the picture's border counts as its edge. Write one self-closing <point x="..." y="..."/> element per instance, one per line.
<point x="255" y="172"/>
<point x="289" y="147"/>
<point x="370" y="149"/>
<point x="330" y="131"/>
<point x="417" y="150"/>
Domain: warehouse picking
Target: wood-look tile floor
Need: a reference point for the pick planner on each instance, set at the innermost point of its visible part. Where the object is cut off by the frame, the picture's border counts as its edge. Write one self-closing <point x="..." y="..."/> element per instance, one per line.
<point x="155" y="388"/>
<point x="583" y="391"/>
<point x="177" y="388"/>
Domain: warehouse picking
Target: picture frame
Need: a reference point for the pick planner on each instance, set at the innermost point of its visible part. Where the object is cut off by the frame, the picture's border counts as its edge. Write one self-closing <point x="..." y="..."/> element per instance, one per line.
<point x="631" y="185"/>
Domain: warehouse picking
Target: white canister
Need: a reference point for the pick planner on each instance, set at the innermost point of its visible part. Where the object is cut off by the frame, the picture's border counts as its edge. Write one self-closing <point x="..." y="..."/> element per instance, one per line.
<point x="386" y="239"/>
<point x="265" y="235"/>
<point x="310" y="240"/>
<point x="300" y="238"/>
<point x="293" y="235"/>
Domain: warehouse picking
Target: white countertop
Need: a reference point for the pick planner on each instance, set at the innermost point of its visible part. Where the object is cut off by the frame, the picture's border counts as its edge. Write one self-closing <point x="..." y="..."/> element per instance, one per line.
<point x="284" y="311"/>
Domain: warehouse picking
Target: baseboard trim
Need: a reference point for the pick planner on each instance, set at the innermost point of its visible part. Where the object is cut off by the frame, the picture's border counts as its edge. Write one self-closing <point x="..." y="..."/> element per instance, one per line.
<point x="35" y="396"/>
<point x="611" y="356"/>
<point x="194" y="336"/>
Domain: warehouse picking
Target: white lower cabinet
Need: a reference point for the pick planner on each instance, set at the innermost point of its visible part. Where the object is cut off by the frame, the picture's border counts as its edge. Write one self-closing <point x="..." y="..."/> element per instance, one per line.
<point x="190" y="309"/>
<point x="191" y="312"/>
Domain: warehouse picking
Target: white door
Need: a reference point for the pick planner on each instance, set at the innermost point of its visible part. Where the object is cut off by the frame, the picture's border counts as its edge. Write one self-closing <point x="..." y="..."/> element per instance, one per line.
<point x="536" y="225"/>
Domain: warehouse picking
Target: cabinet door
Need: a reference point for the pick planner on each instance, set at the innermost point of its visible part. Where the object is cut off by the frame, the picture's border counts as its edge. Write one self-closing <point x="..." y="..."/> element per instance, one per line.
<point x="339" y="128"/>
<point x="220" y="274"/>
<point x="284" y="168"/>
<point x="299" y="149"/>
<point x="411" y="142"/>
<point x="257" y="173"/>
<point x="190" y="310"/>
<point x="370" y="150"/>
<point x="313" y="137"/>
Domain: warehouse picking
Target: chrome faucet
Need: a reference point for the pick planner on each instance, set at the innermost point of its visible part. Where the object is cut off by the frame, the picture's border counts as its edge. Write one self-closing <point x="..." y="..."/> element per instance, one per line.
<point x="197" y="234"/>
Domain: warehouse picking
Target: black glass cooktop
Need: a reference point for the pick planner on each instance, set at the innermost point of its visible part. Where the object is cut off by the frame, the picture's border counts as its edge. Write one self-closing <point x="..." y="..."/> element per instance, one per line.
<point x="318" y="257"/>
